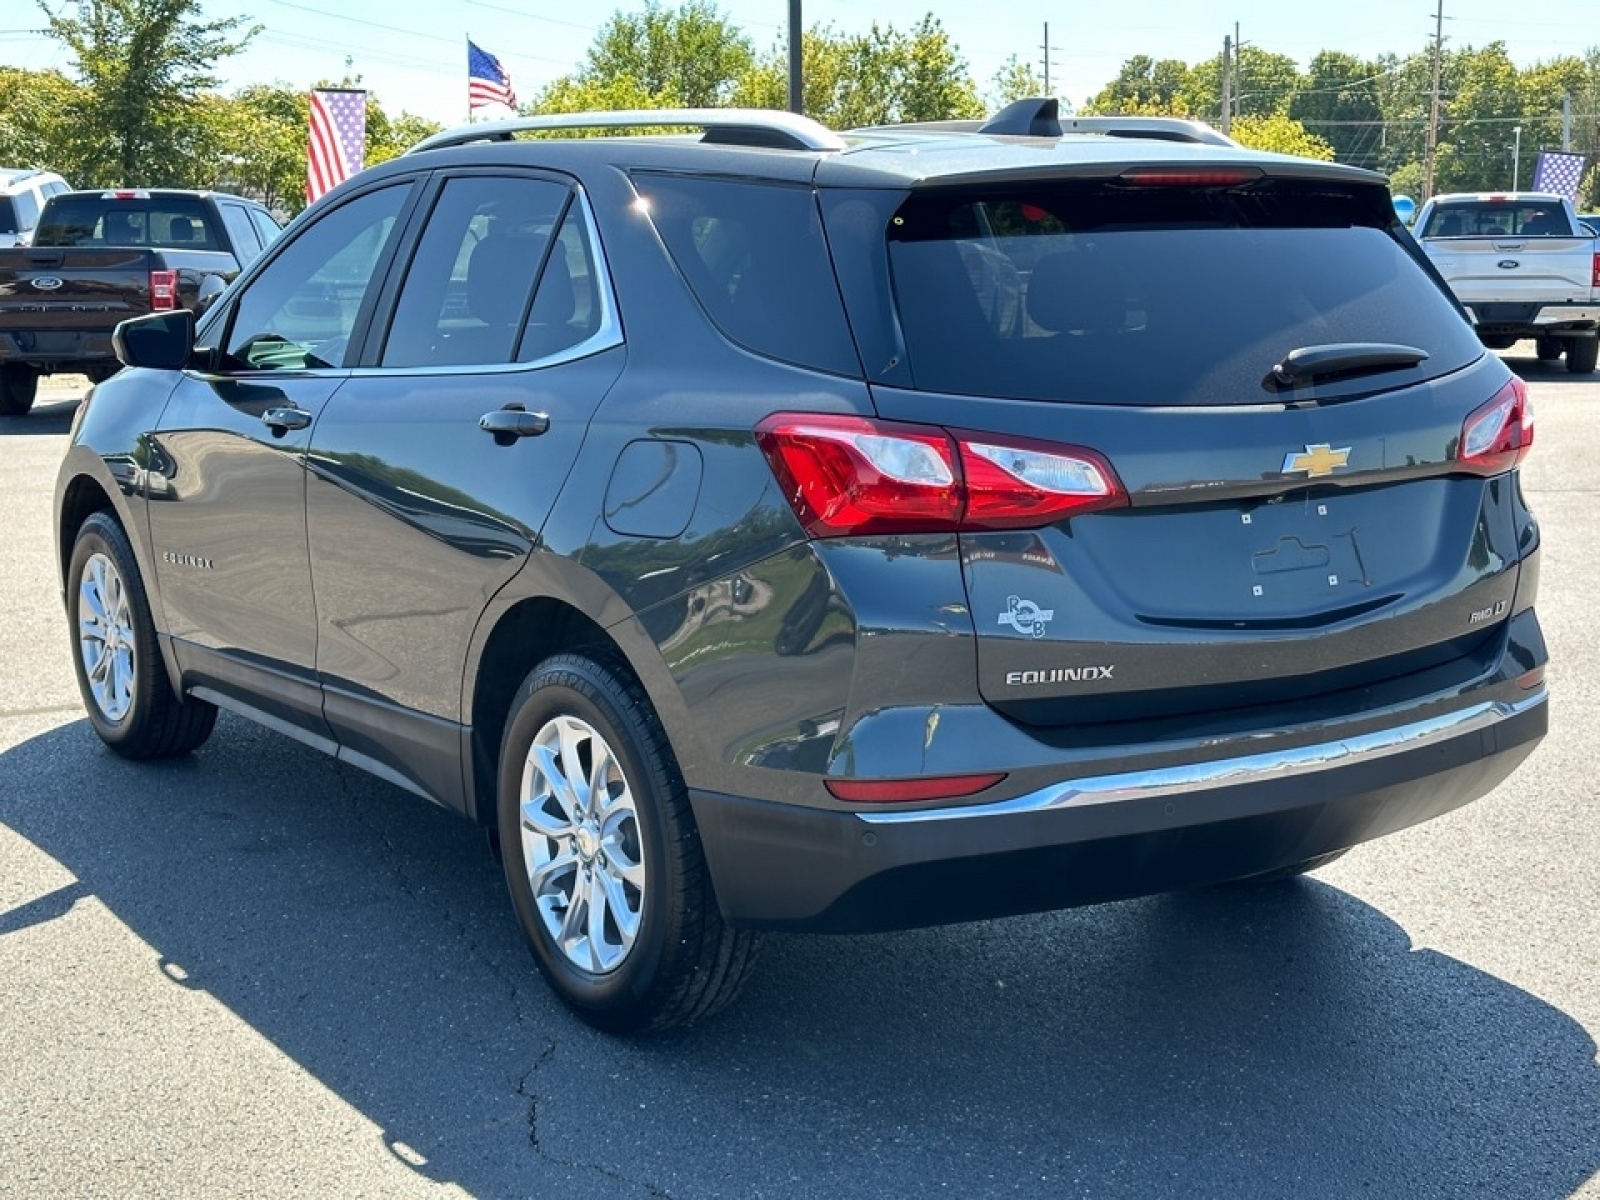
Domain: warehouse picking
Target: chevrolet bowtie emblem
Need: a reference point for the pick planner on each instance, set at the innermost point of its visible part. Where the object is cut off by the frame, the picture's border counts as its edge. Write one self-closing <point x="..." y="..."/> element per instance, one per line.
<point x="1317" y="460"/>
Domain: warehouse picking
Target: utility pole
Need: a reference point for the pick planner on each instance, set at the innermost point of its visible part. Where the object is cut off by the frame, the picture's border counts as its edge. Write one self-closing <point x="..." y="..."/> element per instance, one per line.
<point x="1566" y="121"/>
<point x="1047" y="58"/>
<point x="1227" y="85"/>
<point x="796" y="94"/>
<point x="1433" y="114"/>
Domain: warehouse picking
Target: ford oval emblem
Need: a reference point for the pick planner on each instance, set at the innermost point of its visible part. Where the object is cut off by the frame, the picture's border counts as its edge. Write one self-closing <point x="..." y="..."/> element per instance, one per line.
<point x="1508" y="264"/>
<point x="46" y="283"/>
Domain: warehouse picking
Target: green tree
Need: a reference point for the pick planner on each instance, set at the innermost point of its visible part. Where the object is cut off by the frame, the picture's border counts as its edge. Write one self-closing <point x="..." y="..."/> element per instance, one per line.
<point x="879" y="77"/>
<point x="35" y="128"/>
<point x="1339" y="103"/>
<point x="687" y="56"/>
<point x="1145" y="87"/>
<point x="1281" y="135"/>
<point x="1016" y="80"/>
<point x="144" y="64"/>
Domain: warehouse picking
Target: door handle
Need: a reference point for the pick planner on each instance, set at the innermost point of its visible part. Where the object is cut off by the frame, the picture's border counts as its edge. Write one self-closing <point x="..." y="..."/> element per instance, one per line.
<point x="281" y="420"/>
<point x="506" y="425"/>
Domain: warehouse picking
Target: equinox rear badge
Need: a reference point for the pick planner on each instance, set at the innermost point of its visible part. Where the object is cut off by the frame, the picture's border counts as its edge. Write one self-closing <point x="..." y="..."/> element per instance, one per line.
<point x="1317" y="460"/>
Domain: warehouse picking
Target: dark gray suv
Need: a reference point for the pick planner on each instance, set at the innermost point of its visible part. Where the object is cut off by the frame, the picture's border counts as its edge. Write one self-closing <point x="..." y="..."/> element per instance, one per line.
<point x="772" y="529"/>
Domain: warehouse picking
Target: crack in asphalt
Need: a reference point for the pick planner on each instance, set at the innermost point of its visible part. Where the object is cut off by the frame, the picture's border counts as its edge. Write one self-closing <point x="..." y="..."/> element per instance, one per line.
<point x="653" y="1191"/>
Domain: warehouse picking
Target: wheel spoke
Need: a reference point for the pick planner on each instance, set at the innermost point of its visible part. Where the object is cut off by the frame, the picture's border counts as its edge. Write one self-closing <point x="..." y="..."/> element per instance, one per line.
<point x="577" y="908"/>
<point x="544" y="874"/>
<point x="616" y="899"/>
<point x="598" y="897"/>
<point x="573" y="736"/>
<point x="538" y="818"/>
<point x="550" y="768"/>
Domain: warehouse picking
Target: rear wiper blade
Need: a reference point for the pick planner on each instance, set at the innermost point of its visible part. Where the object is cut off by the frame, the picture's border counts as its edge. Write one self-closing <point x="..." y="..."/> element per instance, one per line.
<point x="1341" y="358"/>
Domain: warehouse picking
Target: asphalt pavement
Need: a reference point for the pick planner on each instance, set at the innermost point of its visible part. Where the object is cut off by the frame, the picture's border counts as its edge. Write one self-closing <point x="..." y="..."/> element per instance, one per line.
<point x="259" y="973"/>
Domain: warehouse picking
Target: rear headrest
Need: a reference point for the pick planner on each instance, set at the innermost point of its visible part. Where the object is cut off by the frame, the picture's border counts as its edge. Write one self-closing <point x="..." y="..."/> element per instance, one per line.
<point x="1077" y="291"/>
<point x="180" y="229"/>
<point x="557" y="298"/>
<point x="498" y="276"/>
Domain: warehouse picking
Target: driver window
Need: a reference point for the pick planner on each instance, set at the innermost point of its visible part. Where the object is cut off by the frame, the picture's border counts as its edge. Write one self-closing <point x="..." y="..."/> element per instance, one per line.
<point x="298" y="313"/>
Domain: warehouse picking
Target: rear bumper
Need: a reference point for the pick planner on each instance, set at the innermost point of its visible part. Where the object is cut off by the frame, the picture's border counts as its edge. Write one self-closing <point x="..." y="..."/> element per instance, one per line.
<point x="1107" y="837"/>
<point x="52" y="350"/>
<point x="1499" y="317"/>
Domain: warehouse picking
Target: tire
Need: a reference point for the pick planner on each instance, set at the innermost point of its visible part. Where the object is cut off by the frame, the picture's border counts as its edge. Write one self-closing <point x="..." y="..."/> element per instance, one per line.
<point x="1581" y="355"/>
<point x="129" y="699"/>
<point x="658" y="955"/>
<point x="1548" y="348"/>
<point x="1292" y="871"/>
<point x="18" y="387"/>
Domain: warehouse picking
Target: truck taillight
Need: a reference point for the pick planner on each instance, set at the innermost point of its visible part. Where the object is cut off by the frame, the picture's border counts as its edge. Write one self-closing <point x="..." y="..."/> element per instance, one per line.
<point x="847" y="476"/>
<point x="1594" y="280"/>
<point x="1498" y="435"/>
<point x="163" y="290"/>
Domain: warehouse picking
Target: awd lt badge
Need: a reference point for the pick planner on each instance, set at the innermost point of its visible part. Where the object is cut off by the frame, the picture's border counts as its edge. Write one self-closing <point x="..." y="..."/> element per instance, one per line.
<point x="1317" y="460"/>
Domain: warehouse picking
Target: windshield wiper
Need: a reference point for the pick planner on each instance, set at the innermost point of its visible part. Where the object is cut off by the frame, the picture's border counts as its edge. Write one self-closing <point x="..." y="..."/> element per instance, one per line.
<point x="1309" y="363"/>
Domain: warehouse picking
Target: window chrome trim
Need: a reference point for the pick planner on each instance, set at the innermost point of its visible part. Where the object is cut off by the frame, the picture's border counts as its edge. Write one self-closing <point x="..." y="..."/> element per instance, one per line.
<point x="608" y="336"/>
<point x="1230" y="772"/>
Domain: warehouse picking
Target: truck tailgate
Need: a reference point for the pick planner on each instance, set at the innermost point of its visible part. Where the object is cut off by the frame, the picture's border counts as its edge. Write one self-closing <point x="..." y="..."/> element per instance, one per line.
<point x="1551" y="270"/>
<point x="47" y="289"/>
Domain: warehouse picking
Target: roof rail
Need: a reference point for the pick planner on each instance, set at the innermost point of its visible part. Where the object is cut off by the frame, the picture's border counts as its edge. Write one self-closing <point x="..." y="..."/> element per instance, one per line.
<point x="1161" y="129"/>
<point x="763" y="127"/>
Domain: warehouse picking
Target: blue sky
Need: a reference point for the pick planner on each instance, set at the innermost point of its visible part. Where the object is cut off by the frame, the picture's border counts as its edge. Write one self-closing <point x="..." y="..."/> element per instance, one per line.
<point x="413" y="54"/>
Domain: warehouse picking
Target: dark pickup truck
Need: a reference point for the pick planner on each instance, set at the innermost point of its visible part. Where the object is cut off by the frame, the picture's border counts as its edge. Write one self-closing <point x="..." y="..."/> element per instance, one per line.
<point x="101" y="257"/>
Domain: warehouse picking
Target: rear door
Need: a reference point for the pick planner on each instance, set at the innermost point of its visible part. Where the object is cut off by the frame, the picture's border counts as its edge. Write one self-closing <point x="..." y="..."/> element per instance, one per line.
<point x="418" y="514"/>
<point x="1280" y="538"/>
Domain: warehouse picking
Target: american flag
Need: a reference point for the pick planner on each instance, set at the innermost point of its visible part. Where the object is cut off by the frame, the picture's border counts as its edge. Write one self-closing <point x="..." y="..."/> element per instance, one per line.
<point x="487" y="81"/>
<point x="1559" y="173"/>
<point x="337" y="146"/>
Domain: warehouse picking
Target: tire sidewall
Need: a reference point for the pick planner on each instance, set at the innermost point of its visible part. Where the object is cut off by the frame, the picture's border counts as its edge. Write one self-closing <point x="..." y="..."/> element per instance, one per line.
<point x="102" y="535"/>
<point x="580" y="688"/>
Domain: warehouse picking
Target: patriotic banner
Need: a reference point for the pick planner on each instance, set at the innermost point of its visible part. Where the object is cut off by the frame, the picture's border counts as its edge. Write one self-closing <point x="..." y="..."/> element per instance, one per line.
<point x="487" y="81"/>
<point x="336" y="147"/>
<point x="1560" y="173"/>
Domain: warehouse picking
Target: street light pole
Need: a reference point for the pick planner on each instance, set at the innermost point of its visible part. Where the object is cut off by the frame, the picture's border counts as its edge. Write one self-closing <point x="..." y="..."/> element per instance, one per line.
<point x="1516" y="157"/>
<point x="796" y="91"/>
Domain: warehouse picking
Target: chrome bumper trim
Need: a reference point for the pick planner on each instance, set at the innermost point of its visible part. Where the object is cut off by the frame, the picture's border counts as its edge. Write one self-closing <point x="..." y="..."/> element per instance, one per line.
<point x="1228" y="772"/>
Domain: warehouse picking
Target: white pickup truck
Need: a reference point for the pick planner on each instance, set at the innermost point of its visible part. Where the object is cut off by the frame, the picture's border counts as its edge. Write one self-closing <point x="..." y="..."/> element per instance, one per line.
<point x="1522" y="266"/>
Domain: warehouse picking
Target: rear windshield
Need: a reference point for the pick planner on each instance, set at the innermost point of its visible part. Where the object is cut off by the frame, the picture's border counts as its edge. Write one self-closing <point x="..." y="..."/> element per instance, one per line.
<point x="173" y="223"/>
<point x="1498" y="218"/>
<point x="1091" y="292"/>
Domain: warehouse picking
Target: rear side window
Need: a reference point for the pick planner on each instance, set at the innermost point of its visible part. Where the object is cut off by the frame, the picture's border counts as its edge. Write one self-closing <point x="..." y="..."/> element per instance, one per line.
<point x="90" y="220"/>
<point x="8" y="215"/>
<point x="245" y="242"/>
<point x="469" y="295"/>
<point x="756" y="259"/>
<point x="1092" y="292"/>
<point x="27" y="202"/>
<point x="1489" y="218"/>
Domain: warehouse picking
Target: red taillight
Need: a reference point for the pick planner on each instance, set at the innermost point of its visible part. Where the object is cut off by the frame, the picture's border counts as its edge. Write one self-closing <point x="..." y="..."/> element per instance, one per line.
<point x="900" y="791"/>
<point x="1594" y="280"/>
<point x="163" y="290"/>
<point x="1498" y="435"/>
<point x="847" y="476"/>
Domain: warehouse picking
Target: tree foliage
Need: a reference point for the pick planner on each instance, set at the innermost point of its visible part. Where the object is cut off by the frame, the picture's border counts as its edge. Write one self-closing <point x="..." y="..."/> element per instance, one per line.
<point x="144" y="65"/>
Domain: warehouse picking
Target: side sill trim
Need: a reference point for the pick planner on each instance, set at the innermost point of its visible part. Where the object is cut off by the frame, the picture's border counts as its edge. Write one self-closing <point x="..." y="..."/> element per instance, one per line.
<point x="276" y="724"/>
<point x="1229" y="772"/>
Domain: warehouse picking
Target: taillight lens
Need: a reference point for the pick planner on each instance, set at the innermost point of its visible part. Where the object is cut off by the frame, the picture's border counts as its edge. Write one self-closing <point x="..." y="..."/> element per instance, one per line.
<point x="1498" y="435"/>
<point x="163" y="290"/>
<point x="1595" y="279"/>
<point x="847" y="476"/>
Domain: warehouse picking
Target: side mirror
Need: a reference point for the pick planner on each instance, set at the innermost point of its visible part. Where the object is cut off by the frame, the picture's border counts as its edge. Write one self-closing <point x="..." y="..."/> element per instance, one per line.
<point x="211" y="287"/>
<point x="163" y="341"/>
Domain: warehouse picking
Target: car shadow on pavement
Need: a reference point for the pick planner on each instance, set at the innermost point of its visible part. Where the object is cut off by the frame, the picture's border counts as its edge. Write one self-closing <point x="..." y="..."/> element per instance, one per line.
<point x="48" y="416"/>
<point x="1263" y="1042"/>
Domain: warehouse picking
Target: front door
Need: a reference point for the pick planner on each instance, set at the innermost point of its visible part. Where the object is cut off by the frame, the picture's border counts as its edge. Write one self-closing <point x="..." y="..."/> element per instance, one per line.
<point x="417" y="514"/>
<point x="227" y="513"/>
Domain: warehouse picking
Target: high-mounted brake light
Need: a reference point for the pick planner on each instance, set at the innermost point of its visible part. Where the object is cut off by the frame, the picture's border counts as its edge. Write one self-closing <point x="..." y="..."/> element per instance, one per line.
<point x="847" y="476"/>
<point x="1498" y="435"/>
<point x="1189" y="176"/>
<point x="125" y="194"/>
<point x="163" y="290"/>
